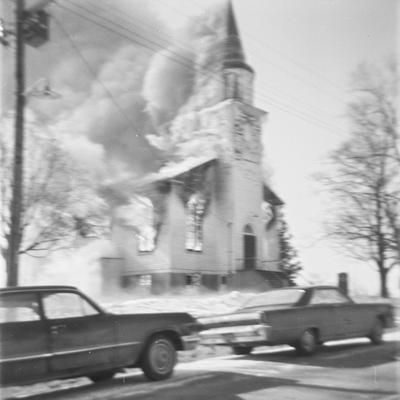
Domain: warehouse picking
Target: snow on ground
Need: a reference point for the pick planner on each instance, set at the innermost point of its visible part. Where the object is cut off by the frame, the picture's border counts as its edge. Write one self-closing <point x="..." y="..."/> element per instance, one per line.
<point x="198" y="305"/>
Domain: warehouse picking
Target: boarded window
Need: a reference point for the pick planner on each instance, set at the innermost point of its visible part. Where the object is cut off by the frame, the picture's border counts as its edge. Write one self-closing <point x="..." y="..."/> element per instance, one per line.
<point x="193" y="280"/>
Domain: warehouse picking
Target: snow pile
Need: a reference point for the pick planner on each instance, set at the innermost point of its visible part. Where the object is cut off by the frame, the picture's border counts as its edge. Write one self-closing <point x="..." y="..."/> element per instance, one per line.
<point x="197" y="305"/>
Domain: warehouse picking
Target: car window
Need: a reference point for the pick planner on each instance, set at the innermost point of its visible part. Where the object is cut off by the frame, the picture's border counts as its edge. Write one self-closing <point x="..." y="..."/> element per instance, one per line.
<point x="275" y="297"/>
<point x="19" y="307"/>
<point x="330" y="296"/>
<point x="66" y="305"/>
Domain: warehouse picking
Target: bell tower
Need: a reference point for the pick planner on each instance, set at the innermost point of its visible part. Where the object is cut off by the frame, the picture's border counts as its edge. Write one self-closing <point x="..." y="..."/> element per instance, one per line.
<point x="240" y="164"/>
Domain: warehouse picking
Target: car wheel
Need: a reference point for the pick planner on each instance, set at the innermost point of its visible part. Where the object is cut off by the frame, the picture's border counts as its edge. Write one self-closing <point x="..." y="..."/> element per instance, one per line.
<point x="242" y="350"/>
<point x="159" y="358"/>
<point x="376" y="335"/>
<point x="307" y="343"/>
<point x="102" y="376"/>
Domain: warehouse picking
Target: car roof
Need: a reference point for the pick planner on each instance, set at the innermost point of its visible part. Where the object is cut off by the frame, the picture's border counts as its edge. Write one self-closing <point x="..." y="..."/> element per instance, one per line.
<point x="36" y="288"/>
<point x="308" y="287"/>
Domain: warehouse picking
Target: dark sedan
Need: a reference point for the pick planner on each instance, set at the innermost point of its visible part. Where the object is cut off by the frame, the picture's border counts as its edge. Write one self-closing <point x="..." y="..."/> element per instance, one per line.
<point x="55" y="332"/>
<point x="302" y="317"/>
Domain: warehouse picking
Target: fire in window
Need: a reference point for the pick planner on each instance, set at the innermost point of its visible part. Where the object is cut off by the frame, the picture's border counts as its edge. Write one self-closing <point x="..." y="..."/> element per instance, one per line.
<point x="194" y="223"/>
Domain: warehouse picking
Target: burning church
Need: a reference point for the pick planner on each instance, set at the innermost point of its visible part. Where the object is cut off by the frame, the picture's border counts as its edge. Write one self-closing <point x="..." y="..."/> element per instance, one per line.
<point x="206" y="219"/>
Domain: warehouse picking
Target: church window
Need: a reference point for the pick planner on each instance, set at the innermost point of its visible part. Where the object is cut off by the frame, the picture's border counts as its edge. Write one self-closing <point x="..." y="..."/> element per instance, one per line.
<point x="146" y="239"/>
<point x="230" y="85"/>
<point x="144" y="223"/>
<point x="145" y="280"/>
<point x="249" y="248"/>
<point x="194" y="223"/>
<point x="268" y="214"/>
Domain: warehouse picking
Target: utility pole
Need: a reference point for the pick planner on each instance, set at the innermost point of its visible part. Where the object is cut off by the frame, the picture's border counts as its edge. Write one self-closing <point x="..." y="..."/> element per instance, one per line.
<point x="18" y="164"/>
<point x="31" y="27"/>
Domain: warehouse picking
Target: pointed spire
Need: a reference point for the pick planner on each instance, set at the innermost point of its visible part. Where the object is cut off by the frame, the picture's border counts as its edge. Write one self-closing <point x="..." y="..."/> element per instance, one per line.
<point x="233" y="51"/>
<point x="232" y="29"/>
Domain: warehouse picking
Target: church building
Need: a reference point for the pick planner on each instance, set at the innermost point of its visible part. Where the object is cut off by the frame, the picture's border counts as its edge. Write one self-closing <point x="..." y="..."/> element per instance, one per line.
<point x="208" y="221"/>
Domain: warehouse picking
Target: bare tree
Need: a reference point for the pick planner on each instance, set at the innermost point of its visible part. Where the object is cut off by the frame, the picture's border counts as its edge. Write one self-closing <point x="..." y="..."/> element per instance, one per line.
<point x="289" y="263"/>
<point x="59" y="201"/>
<point x="365" y="176"/>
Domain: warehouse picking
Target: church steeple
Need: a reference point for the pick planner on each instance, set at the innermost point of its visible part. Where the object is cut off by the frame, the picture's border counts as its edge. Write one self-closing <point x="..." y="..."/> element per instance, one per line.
<point x="238" y="75"/>
<point x="233" y="50"/>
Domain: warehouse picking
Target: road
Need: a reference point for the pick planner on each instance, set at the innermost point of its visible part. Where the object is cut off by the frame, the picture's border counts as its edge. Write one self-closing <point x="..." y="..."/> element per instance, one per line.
<point x="344" y="370"/>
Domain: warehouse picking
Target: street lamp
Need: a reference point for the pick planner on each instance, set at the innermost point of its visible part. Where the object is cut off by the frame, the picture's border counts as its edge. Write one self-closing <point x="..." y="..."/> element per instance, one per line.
<point x="41" y="89"/>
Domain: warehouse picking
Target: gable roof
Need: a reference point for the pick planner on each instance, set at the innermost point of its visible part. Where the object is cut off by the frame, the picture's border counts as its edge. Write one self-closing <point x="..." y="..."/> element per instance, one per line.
<point x="270" y="197"/>
<point x="174" y="170"/>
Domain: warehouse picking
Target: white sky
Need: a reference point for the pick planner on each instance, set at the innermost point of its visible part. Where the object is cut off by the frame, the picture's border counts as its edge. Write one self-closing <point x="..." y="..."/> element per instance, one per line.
<point x="303" y="53"/>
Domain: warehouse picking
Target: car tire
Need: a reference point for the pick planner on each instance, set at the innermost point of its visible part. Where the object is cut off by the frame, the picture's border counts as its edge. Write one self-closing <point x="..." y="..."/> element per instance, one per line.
<point x="159" y="358"/>
<point x="376" y="334"/>
<point x="242" y="350"/>
<point x="307" y="343"/>
<point x="102" y="376"/>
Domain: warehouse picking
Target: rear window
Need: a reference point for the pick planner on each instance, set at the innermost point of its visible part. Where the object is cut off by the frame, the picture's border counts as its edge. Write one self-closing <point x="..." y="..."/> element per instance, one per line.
<point x="66" y="305"/>
<point x="328" y="296"/>
<point x="19" y="307"/>
<point x="275" y="298"/>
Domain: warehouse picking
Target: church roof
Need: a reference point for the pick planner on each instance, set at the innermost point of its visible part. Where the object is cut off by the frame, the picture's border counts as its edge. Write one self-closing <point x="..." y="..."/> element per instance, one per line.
<point x="233" y="56"/>
<point x="271" y="197"/>
<point x="174" y="170"/>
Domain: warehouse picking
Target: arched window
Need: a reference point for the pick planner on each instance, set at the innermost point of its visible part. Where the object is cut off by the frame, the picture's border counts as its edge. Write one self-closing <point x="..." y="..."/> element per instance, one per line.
<point x="268" y="214"/>
<point x="194" y="223"/>
<point x="145" y="225"/>
<point x="249" y="248"/>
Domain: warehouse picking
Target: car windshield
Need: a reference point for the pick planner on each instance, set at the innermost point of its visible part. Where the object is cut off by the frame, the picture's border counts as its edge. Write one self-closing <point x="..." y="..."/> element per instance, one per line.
<point x="274" y="298"/>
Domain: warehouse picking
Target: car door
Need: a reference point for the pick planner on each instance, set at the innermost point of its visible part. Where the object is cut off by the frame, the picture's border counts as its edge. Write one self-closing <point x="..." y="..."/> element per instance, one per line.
<point x="343" y="315"/>
<point x="81" y="336"/>
<point x="327" y="319"/>
<point x="24" y="347"/>
<point x="349" y="314"/>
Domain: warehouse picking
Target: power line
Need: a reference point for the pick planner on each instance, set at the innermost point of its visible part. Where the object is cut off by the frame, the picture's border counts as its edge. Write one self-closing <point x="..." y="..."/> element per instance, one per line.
<point x="94" y="75"/>
<point x="263" y="43"/>
<point x="276" y="103"/>
<point x="185" y="48"/>
<point x="277" y="66"/>
<point x="299" y="114"/>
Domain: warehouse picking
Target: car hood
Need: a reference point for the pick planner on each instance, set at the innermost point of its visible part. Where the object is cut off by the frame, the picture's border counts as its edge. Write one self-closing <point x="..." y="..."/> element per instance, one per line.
<point x="179" y="320"/>
<point x="174" y="317"/>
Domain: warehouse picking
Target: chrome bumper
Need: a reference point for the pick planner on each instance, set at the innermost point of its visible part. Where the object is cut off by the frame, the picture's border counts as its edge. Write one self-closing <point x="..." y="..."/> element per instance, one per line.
<point x="190" y="342"/>
<point x="235" y="335"/>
